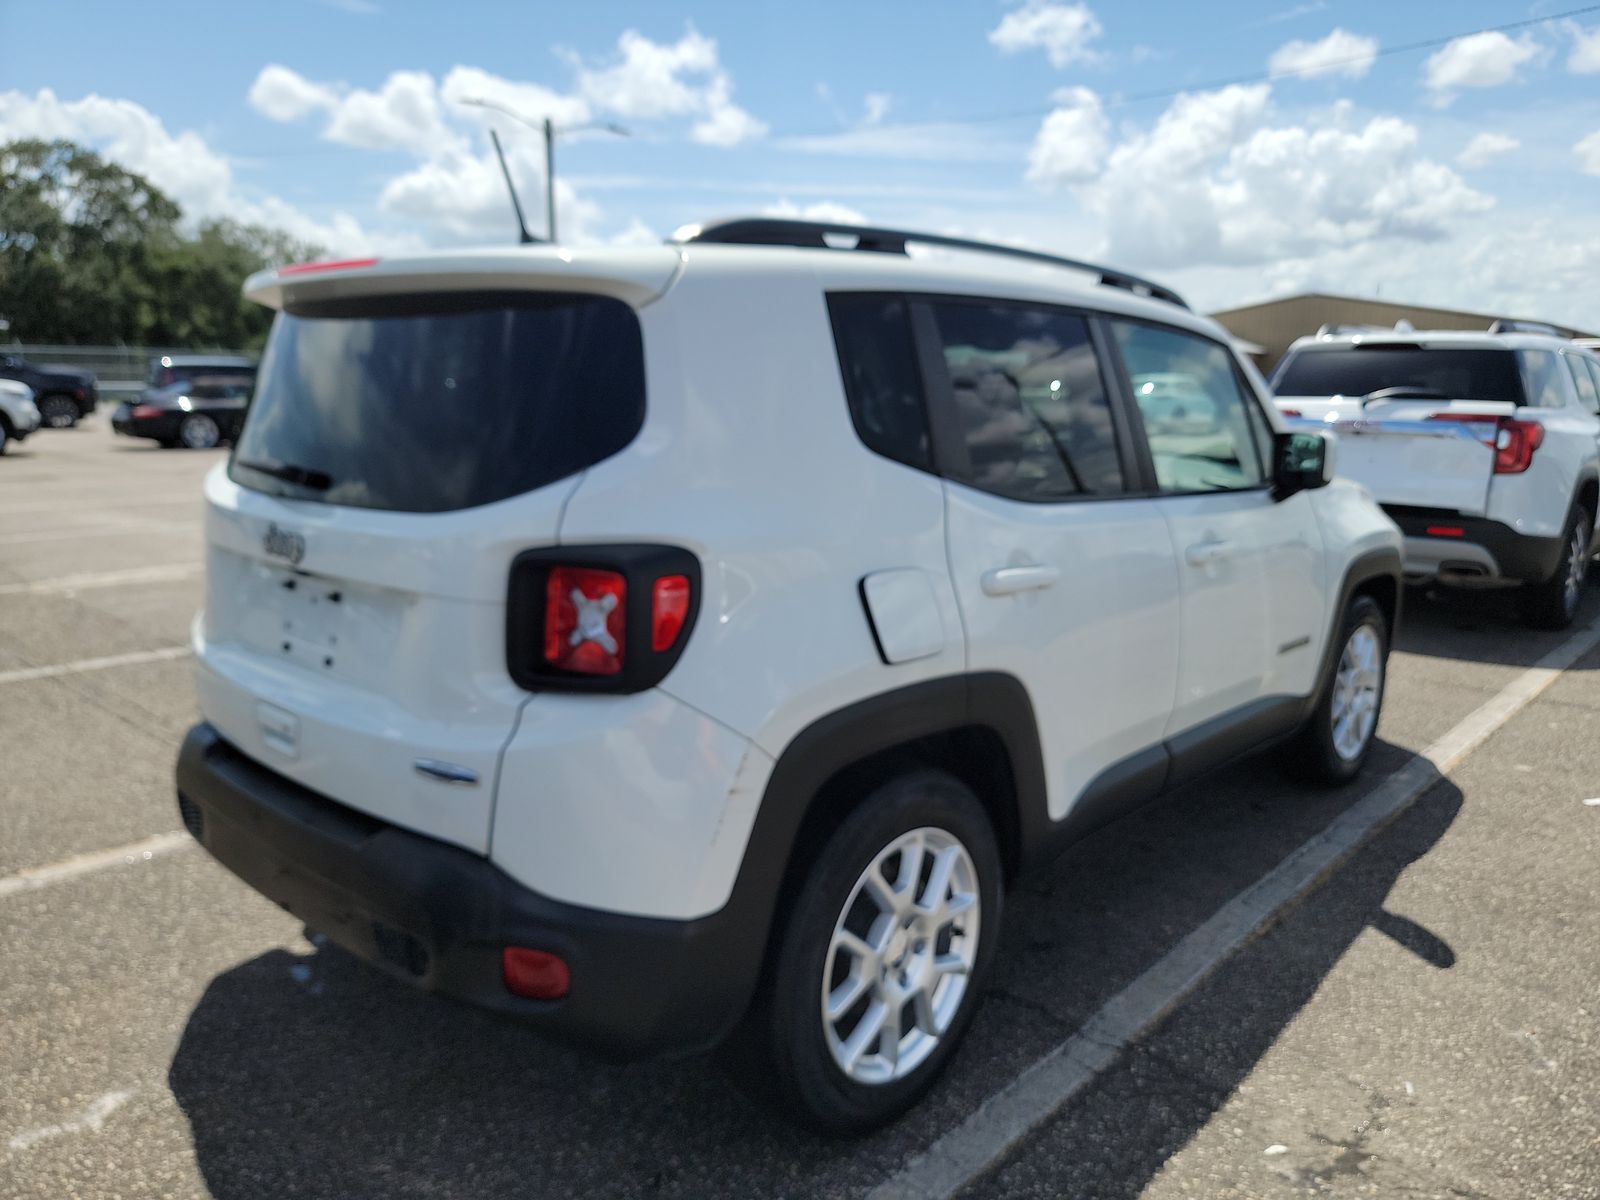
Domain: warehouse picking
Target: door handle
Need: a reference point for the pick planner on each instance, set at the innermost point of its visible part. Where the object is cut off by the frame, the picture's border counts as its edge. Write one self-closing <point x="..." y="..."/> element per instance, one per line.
<point x="1203" y="554"/>
<point x="1007" y="581"/>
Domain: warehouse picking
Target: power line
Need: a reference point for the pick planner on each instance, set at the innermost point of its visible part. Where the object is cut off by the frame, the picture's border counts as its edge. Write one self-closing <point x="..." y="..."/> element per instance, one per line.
<point x="1268" y="76"/>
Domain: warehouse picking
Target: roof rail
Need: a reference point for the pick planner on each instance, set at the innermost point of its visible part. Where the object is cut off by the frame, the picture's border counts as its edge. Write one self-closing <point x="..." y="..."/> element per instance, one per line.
<point x="1340" y="328"/>
<point x="1507" y="325"/>
<point x="782" y="231"/>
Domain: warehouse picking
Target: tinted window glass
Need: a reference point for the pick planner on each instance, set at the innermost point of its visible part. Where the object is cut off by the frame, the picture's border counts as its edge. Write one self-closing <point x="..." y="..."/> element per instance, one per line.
<point x="1030" y="401"/>
<point x="1584" y="382"/>
<point x="881" y="379"/>
<point x="1544" y="380"/>
<point x="1439" y="373"/>
<point x="1594" y="373"/>
<point x="425" y="404"/>
<point x="1196" y="414"/>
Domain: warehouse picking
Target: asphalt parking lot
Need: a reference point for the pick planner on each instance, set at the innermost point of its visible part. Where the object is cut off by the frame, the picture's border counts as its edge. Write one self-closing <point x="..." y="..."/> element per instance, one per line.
<point x="1423" y="1023"/>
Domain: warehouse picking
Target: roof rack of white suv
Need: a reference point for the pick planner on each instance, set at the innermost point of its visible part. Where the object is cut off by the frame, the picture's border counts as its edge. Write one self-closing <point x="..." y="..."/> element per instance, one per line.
<point x="1508" y="325"/>
<point x="781" y="231"/>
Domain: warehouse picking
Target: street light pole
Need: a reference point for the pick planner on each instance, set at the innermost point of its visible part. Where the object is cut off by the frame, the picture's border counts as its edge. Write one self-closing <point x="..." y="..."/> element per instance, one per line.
<point x="550" y="130"/>
<point x="550" y="177"/>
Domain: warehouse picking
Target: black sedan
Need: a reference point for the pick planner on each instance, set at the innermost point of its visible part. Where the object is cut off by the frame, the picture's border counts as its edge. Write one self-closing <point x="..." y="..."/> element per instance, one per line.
<point x="194" y="413"/>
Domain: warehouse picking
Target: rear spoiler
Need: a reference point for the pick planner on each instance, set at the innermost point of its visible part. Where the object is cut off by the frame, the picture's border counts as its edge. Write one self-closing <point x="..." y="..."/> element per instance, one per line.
<point x="636" y="275"/>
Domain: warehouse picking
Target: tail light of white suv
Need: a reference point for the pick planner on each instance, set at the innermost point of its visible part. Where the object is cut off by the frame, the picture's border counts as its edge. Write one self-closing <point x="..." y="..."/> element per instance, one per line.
<point x="1514" y="439"/>
<point x="609" y="618"/>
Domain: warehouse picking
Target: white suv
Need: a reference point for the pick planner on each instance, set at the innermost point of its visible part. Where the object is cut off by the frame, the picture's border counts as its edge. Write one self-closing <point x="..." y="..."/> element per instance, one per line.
<point x="1483" y="447"/>
<point x="646" y="643"/>
<point x="19" y="416"/>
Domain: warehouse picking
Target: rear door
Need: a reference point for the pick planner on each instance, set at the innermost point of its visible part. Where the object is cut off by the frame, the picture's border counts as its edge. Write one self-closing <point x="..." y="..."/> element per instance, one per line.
<point x="1065" y="579"/>
<point x="1250" y="566"/>
<point x="398" y="454"/>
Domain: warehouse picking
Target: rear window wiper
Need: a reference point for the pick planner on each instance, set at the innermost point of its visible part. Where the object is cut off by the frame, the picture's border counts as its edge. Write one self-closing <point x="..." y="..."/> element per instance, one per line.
<point x="306" y="477"/>
<point x="1404" y="393"/>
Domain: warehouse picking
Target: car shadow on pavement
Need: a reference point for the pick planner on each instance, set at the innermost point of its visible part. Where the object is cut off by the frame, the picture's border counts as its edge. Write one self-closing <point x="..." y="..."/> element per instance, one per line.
<point x="1481" y="625"/>
<point x="315" y="1075"/>
<point x="1114" y="1139"/>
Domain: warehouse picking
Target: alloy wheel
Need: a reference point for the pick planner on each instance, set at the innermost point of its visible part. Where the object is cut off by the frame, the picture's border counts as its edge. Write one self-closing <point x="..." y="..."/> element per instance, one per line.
<point x="1356" y="687"/>
<point x="58" y="412"/>
<point x="902" y="951"/>
<point x="199" y="432"/>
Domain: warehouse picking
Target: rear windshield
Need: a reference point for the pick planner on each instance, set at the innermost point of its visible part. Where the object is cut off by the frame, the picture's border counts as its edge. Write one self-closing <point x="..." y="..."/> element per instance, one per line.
<point x="1430" y="373"/>
<point x="433" y="403"/>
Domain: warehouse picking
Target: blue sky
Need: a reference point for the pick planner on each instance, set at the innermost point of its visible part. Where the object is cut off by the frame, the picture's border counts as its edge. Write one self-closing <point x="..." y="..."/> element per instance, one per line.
<point x="1464" y="174"/>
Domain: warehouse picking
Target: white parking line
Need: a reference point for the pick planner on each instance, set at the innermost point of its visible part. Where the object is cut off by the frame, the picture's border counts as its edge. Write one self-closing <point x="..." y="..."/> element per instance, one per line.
<point x="92" y="1120"/>
<point x="132" y="854"/>
<point x="101" y="579"/>
<point x="132" y="658"/>
<point x="966" y="1152"/>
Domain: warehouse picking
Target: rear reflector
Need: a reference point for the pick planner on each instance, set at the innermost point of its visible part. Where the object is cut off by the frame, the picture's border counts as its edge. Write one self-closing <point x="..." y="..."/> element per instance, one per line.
<point x="334" y="264"/>
<point x="536" y="974"/>
<point x="585" y="620"/>
<point x="669" y="605"/>
<point x="1446" y="531"/>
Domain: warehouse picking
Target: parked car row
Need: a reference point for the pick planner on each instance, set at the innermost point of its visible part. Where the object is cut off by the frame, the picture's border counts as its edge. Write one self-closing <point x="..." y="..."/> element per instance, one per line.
<point x="192" y="401"/>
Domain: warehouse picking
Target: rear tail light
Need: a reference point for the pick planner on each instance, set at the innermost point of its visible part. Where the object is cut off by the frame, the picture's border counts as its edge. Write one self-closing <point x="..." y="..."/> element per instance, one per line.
<point x="1446" y="531"/>
<point x="536" y="974"/>
<point x="599" y="618"/>
<point x="585" y="620"/>
<point x="145" y="411"/>
<point x="1290" y="412"/>
<point x="1514" y="440"/>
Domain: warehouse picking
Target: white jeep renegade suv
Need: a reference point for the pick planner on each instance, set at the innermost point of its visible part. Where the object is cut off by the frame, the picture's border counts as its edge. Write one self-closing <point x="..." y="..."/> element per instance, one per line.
<point x="647" y="643"/>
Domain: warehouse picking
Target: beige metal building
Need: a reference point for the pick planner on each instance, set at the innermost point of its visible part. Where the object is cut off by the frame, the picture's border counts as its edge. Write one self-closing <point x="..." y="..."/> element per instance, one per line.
<point x="1272" y="325"/>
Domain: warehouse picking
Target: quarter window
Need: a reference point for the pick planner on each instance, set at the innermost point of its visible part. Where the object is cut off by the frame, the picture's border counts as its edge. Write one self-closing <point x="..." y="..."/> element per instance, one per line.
<point x="1030" y="401"/>
<point x="878" y="359"/>
<point x="1594" y="372"/>
<point x="1543" y="385"/>
<point x="1588" y="394"/>
<point x="1197" y="416"/>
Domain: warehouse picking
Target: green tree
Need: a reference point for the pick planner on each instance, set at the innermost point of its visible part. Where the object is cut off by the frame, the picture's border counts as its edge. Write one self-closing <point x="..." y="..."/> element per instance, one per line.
<point x="91" y="252"/>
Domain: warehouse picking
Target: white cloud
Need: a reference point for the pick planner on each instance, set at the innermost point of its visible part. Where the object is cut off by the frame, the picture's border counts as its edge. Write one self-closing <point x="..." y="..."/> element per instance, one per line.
<point x="1063" y="31"/>
<point x="921" y="143"/>
<point x="531" y="100"/>
<point x="1214" y="182"/>
<point x="1588" y="152"/>
<point x="1289" y="14"/>
<point x="651" y="80"/>
<point x="183" y="165"/>
<point x="462" y="198"/>
<point x="1485" y="148"/>
<point x="284" y="95"/>
<point x="1480" y="60"/>
<point x="1341" y="53"/>
<point x="822" y="210"/>
<point x="1585" y="56"/>
<point x="877" y="106"/>
<point x="403" y="114"/>
<point x="1071" y="145"/>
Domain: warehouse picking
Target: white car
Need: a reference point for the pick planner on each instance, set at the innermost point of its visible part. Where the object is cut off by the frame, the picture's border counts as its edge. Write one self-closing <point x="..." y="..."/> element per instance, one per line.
<point x="19" y="416"/>
<point x="645" y="643"/>
<point x="1483" y="447"/>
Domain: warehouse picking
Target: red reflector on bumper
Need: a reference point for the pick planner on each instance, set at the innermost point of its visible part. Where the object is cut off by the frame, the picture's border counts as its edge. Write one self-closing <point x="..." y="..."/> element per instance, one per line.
<point x="536" y="974"/>
<point x="1446" y="531"/>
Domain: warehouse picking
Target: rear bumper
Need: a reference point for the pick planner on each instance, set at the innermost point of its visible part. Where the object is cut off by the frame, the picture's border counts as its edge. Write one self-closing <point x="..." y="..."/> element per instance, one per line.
<point x="1485" y="551"/>
<point x="438" y="916"/>
<point x="162" y="428"/>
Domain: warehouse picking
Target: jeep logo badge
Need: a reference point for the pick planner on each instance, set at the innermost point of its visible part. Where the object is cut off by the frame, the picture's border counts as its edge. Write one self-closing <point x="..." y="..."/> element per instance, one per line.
<point x="281" y="543"/>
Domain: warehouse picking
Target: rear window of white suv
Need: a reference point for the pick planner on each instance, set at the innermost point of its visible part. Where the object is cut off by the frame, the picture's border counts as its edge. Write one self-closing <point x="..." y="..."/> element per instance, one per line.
<point x="443" y="401"/>
<point x="1445" y="373"/>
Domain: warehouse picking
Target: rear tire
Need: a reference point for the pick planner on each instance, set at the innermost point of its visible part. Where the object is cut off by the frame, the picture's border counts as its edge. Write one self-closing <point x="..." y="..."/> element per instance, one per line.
<point x="1554" y="603"/>
<point x="1334" y="744"/>
<point x="199" y="432"/>
<point x="888" y="945"/>
<point x="5" y="433"/>
<point x="58" y="412"/>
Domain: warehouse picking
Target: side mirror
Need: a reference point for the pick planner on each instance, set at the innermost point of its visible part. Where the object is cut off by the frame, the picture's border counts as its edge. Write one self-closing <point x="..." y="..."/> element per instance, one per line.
<point x="1305" y="460"/>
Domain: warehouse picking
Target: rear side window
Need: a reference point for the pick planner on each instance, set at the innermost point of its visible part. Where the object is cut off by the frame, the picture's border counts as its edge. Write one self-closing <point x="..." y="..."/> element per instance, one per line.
<point x="882" y="383"/>
<point x="440" y="402"/>
<point x="1030" y="401"/>
<point x="1594" y="372"/>
<point x="1584" y="381"/>
<point x="1196" y="413"/>
<point x="1544" y="380"/>
<point x="1423" y="372"/>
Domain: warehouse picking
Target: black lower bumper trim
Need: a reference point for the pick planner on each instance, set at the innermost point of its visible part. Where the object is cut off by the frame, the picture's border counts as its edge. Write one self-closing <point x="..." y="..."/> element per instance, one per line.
<point x="439" y="916"/>
<point x="1519" y="556"/>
